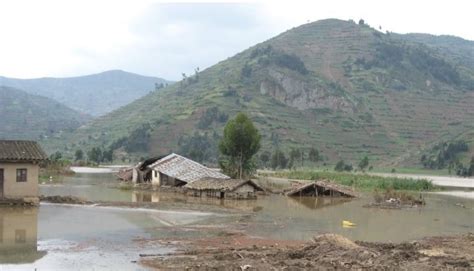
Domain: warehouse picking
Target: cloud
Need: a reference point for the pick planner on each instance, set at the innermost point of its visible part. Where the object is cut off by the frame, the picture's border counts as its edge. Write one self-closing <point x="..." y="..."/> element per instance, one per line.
<point x="68" y="38"/>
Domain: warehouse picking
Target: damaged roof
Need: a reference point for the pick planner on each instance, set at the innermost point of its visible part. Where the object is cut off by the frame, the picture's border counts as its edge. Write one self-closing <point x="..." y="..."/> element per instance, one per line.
<point x="220" y="184"/>
<point x="185" y="169"/>
<point x="21" y="150"/>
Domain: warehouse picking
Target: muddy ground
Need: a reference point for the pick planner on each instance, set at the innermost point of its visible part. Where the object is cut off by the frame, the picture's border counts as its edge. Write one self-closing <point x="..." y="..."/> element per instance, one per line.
<point x="328" y="251"/>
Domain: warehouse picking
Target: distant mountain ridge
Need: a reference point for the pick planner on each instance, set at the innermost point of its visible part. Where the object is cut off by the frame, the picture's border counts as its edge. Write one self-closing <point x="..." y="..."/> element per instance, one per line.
<point x="32" y="117"/>
<point x="344" y="88"/>
<point x="94" y="94"/>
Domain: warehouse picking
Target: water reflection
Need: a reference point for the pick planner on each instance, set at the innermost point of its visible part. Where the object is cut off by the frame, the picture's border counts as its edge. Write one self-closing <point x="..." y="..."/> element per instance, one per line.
<point x="317" y="202"/>
<point x="18" y="235"/>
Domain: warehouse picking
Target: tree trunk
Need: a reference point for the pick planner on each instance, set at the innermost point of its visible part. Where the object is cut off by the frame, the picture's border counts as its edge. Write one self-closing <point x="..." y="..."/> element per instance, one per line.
<point x="240" y="168"/>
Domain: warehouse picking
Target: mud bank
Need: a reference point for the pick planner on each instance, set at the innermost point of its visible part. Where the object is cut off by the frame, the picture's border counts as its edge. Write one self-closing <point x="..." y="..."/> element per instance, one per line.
<point x="328" y="251"/>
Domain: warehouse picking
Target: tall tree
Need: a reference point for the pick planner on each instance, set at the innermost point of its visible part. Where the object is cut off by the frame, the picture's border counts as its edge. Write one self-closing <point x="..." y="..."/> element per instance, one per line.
<point x="364" y="163"/>
<point x="79" y="155"/>
<point x="240" y="142"/>
<point x="279" y="159"/>
<point x="313" y="155"/>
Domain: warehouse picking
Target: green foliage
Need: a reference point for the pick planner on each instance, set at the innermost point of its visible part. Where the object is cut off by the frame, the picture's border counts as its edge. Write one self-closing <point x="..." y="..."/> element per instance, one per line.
<point x="56" y="156"/>
<point x="240" y="142"/>
<point x="268" y="56"/>
<point x="265" y="158"/>
<point x="137" y="141"/>
<point x="364" y="163"/>
<point x="464" y="171"/>
<point x="95" y="155"/>
<point x="360" y="181"/>
<point x="443" y="154"/>
<point x="342" y="166"/>
<point x="211" y="115"/>
<point x="79" y="155"/>
<point x="279" y="159"/>
<point x="313" y="155"/>
<point x="199" y="147"/>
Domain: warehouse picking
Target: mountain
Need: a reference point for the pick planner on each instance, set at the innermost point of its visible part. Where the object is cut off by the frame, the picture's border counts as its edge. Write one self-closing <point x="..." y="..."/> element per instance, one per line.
<point x="27" y="116"/>
<point x="344" y="88"/>
<point x="95" y="94"/>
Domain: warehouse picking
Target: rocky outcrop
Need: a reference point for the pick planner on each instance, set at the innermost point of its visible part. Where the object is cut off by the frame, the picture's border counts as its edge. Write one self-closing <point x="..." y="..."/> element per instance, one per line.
<point x="300" y="94"/>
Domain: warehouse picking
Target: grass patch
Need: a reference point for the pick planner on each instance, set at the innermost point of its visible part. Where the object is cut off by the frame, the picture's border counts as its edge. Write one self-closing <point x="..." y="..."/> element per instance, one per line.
<point x="360" y="181"/>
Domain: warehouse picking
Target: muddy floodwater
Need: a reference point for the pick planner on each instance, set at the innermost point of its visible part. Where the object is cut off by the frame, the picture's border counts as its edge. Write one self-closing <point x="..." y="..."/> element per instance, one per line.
<point x="56" y="236"/>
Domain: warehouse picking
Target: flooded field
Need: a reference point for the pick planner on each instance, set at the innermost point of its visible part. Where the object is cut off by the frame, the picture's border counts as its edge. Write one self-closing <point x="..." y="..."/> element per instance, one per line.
<point x="56" y="236"/>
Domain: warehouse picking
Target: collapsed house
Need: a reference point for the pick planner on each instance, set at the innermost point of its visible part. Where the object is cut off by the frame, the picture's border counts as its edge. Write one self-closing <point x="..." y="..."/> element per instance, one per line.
<point x="321" y="189"/>
<point x="223" y="188"/>
<point x="171" y="170"/>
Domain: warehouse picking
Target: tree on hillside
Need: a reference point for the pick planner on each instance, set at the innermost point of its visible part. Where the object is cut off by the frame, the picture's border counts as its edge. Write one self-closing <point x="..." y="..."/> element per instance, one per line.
<point x="95" y="154"/>
<point x="279" y="159"/>
<point x="313" y="155"/>
<point x="56" y="156"/>
<point x="342" y="166"/>
<point x="264" y="158"/>
<point x="79" y="155"/>
<point x="295" y="155"/>
<point x="240" y="142"/>
<point x="364" y="163"/>
<point x="471" y="167"/>
<point x="361" y="22"/>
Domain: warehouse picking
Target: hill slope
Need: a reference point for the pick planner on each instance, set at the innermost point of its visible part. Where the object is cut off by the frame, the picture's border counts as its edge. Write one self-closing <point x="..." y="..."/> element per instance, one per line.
<point x="95" y="94"/>
<point x="26" y="116"/>
<point x="343" y="88"/>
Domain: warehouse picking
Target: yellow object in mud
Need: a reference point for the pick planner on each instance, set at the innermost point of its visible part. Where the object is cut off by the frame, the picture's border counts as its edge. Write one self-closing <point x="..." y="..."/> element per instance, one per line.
<point x="347" y="223"/>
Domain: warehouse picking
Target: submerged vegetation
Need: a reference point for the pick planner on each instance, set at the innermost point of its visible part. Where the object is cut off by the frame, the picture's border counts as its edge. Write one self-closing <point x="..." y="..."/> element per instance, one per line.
<point x="360" y="181"/>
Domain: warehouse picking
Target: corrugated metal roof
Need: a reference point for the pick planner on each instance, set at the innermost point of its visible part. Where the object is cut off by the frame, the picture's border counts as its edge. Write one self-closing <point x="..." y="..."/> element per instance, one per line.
<point x="20" y="150"/>
<point x="185" y="169"/>
<point x="220" y="184"/>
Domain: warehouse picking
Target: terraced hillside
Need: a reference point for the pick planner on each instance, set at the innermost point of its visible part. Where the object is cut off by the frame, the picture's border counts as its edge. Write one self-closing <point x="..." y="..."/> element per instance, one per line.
<point x="26" y="116"/>
<point x="343" y="88"/>
<point x="95" y="94"/>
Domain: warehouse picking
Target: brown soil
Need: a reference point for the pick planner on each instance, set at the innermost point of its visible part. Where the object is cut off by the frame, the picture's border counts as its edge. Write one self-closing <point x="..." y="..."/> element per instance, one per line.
<point x="328" y="251"/>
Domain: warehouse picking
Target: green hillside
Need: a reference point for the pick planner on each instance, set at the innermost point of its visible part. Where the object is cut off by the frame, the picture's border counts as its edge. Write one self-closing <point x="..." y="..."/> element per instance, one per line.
<point x="95" y="94"/>
<point x="26" y="116"/>
<point x="343" y="88"/>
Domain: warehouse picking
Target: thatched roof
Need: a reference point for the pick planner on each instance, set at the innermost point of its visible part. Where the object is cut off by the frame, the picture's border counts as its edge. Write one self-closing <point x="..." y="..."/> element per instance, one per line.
<point x="326" y="185"/>
<point x="19" y="150"/>
<point x="220" y="184"/>
<point x="185" y="169"/>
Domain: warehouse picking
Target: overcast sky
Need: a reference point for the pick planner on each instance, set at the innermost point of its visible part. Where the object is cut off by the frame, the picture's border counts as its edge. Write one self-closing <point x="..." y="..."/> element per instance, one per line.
<point x="69" y="38"/>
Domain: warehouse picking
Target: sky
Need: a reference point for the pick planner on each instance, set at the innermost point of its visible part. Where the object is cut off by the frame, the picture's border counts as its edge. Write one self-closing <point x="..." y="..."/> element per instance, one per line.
<point x="57" y="38"/>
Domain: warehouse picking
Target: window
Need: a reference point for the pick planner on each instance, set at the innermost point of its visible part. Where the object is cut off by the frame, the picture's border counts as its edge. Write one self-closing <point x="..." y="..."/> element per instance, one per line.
<point x="1" y="175"/>
<point x="21" y="175"/>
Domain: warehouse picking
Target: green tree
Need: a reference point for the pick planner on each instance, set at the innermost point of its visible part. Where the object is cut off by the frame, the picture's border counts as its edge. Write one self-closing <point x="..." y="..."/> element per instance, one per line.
<point x="279" y="159"/>
<point x="339" y="166"/>
<point x="313" y="155"/>
<point x="108" y="155"/>
<point x="240" y="142"/>
<point x="95" y="155"/>
<point x="264" y="158"/>
<point x="471" y="167"/>
<point x="364" y="163"/>
<point x="56" y="156"/>
<point x="79" y="155"/>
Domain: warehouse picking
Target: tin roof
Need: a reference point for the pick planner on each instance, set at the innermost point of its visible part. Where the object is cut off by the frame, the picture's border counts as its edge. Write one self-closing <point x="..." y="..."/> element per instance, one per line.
<point x="220" y="184"/>
<point x="20" y="150"/>
<point x="184" y="169"/>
